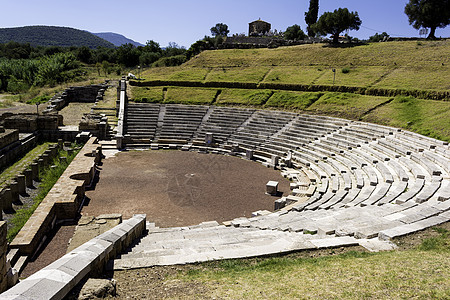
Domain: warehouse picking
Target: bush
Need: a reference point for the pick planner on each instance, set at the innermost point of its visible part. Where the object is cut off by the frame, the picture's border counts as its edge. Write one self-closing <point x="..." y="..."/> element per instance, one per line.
<point x="170" y="61"/>
<point x="345" y="70"/>
<point x="39" y="99"/>
<point x="16" y="86"/>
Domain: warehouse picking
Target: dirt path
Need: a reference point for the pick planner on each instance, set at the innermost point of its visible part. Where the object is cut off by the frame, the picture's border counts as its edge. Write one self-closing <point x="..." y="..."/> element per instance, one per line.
<point x="176" y="188"/>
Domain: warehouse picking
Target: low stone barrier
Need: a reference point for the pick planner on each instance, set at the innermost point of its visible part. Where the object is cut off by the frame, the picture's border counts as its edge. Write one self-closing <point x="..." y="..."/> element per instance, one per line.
<point x="62" y="202"/>
<point x="57" y="279"/>
<point x="3" y="248"/>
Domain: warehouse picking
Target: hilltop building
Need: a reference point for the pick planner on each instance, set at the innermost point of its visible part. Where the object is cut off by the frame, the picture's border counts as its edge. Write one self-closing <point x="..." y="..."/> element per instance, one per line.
<point x="258" y="28"/>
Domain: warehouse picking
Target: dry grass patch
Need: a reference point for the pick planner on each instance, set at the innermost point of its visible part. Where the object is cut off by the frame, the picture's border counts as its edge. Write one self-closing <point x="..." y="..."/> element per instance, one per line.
<point x="295" y="75"/>
<point x="355" y="76"/>
<point x="407" y="53"/>
<point x="255" y="74"/>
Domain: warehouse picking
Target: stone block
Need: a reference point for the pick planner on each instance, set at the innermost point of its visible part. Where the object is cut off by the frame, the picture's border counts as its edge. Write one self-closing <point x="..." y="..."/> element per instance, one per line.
<point x="7" y="199"/>
<point x="35" y="171"/>
<point x="272" y="188"/>
<point x="21" y="186"/>
<point x="249" y="154"/>
<point x="28" y="178"/>
<point x="14" y="186"/>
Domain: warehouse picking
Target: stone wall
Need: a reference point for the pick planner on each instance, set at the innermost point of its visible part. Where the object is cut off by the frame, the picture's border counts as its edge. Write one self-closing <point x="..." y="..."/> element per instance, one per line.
<point x="8" y="136"/>
<point x="57" y="279"/>
<point x="12" y="152"/>
<point x="27" y="123"/>
<point x="89" y="94"/>
<point x="3" y="249"/>
<point x="62" y="202"/>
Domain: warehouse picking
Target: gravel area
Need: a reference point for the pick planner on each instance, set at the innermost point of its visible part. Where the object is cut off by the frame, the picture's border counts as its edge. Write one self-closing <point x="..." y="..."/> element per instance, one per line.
<point x="176" y="188"/>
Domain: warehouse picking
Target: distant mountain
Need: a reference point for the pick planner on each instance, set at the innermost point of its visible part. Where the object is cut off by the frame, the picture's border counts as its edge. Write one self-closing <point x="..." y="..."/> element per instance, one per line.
<point x="116" y="39"/>
<point x="52" y="36"/>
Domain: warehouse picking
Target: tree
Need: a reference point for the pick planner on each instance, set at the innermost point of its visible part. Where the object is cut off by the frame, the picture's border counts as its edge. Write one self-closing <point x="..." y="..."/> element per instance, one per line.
<point x="336" y="22"/>
<point x="311" y="16"/>
<point x="152" y="46"/>
<point x="378" y="37"/>
<point x="220" y="30"/>
<point x="428" y="14"/>
<point x="294" y="32"/>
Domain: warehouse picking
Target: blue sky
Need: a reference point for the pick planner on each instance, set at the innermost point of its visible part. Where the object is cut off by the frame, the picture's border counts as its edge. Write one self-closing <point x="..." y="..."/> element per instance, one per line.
<point x="184" y="22"/>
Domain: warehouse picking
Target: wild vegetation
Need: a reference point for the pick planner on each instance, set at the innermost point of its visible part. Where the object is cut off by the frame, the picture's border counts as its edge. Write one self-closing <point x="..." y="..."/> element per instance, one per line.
<point x="47" y="178"/>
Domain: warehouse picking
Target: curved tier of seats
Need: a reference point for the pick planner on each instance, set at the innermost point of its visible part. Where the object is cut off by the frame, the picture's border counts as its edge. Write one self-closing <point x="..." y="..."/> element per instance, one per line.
<point x="348" y="178"/>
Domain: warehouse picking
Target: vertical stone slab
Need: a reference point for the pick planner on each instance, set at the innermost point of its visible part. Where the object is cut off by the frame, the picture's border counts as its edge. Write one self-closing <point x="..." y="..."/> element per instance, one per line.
<point x="275" y="160"/>
<point x="249" y="154"/>
<point x="35" y="171"/>
<point x="60" y="143"/>
<point x="46" y="159"/>
<point x="21" y="184"/>
<point x="28" y="178"/>
<point x="41" y="163"/>
<point x="53" y="150"/>
<point x="7" y="200"/>
<point x="14" y="186"/>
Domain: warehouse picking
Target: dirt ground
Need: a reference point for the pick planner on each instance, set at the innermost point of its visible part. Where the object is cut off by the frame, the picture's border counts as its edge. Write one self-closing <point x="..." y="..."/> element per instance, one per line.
<point x="73" y="112"/>
<point x="176" y="188"/>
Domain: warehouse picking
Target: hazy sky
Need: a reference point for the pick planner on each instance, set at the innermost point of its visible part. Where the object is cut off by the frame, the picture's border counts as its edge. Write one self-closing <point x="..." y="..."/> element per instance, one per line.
<point x="184" y="22"/>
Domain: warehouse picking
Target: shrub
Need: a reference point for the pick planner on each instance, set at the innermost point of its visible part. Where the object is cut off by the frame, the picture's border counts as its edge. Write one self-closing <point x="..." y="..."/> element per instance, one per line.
<point x="346" y="70"/>
<point x="39" y="99"/>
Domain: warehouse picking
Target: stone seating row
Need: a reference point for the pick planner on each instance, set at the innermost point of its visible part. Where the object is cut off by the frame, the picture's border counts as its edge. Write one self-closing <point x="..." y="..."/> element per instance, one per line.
<point x="379" y="162"/>
<point x="361" y="222"/>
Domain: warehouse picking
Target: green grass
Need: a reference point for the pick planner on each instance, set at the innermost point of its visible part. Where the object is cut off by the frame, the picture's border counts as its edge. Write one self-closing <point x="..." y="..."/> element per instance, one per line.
<point x="292" y="100"/>
<point x="254" y="74"/>
<point x="185" y="95"/>
<point x="39" y="99"/>
<point x="195" y="74"/>
<point x="418" y="78"/>
<point x="243" y="97"/>
<point x="346" y="105"/>
<point x="20" y="166"/>
<point x="147" y="94"/>
<point x="427" y="117"/>
<point x="419" y="273"/>
<point x="48" y="177"/>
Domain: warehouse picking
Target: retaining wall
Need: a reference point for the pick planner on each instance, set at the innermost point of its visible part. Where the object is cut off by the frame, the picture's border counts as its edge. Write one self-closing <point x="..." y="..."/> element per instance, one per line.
<point x="3" y="249"/>
<point x="57" y="279"/>
<point x="62" y="202"/>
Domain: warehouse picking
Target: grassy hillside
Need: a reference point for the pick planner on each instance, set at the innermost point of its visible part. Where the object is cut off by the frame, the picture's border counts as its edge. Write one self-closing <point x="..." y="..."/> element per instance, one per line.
<point x="407" y="65"/>
<point x="52" y="36"/>
<point x="300" y="78"/>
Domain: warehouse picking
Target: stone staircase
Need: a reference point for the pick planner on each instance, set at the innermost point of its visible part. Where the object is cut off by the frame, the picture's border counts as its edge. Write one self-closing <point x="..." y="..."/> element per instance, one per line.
<point x="284" y="231"/>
